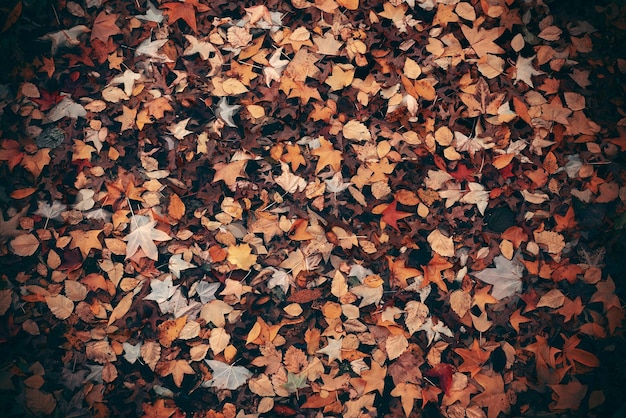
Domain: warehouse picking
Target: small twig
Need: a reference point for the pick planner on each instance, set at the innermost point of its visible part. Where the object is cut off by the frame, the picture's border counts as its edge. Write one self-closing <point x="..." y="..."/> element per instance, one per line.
<point x="55" y="14"/>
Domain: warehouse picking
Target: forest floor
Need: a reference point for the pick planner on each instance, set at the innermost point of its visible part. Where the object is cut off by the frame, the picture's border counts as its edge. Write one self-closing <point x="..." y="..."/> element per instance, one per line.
<point x="348" y="208"/>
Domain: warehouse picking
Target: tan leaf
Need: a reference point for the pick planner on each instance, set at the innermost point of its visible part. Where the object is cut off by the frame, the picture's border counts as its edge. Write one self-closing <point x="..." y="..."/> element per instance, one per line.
<point x="411" y="69"/>
<point x="553" y="299"/>
<point x="100" y="351"/>
<point x="219" y="340"/>
<point x="24" y="245"/>
<point x="121" y="308"/>
<point x="170" y="330"/>
<point x="466" y="11"/>
<point x="151" y="353"/>
<point x="552" y="240"/>
<point x="75" y="291"/>
<point x="396" y="345"/>
<point x="60" y="306"/>
<point x="189" y="331"/>
<point x="357" y="131"/>
<point x="441" y="244"/>
<point x="262" y="386"/>
<point x="199" y="352"/>
<point x="551" y="33"/>
<point x="460" y="302"/>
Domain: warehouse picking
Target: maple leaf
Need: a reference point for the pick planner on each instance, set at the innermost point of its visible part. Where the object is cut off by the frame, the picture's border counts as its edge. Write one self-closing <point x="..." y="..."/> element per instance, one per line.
<point x="327" y="45"/>
<point x="340" y="77"/>
<point x="152" y="14"/>
<point x="128" y="79"/>
<point x="493" y="396"/>
<point x="482" y="40"/>
<point x="241" y="256"/>
<point x="408" y="393"/>
<point x="525" y="70"/>
<point x="143" y="234"/>
<point x="395" y="14"/>
<point x="391" y="215"/>
<point x="573" y="354"/>
<point x="48" y="99"/>
<point x="473" y="358"/>
<point x="66" y="108"/>
<point x="399" y="273"/>
<point x="432" y="272"/>
<point x="151" y="48"/>
<point x="226" y="112"/>
<point x="86" y="240"/>
<point x="229" y="172"/>
<point x="332" y="349"/>
<point x="295" y="382"/>
<point x="131" y="352"/>
<point x="162" y="290"/>
<point x="177" y="368"/>
<point x="179" y="130"/>
<point x="443" y="372"/>
<point x="214" y="312"/>
<point x="104" y="27"/>
<point x="184" y="10"/>
<point x="65" y="38"/>
<point x="435" y="330"/>
<point x="8" y="228"/>
<point x="506" y="277"/>
<point x="158" y="409"/>
<point x="226" y="376"/>
<point x="275" y="68"/>
<point x="568" y="396"/>
<point x="176" y="264"/>
<point x="328" y="156"/>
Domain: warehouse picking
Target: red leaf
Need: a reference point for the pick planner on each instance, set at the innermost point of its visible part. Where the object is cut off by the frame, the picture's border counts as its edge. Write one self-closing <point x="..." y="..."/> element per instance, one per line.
<point x="391" y="215"/>
<point x="463" y="173"/>
<point x="443" y="372"/>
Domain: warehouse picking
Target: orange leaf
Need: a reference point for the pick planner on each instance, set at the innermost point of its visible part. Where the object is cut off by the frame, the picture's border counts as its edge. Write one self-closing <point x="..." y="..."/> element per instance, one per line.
<point x="169" y="330"/>
<point x="22" y="193"/>
<point x="298" y="230"/>
<point x="432" y="272"/>
<point x="391" y="215"/>
<point x="176" y="208"/>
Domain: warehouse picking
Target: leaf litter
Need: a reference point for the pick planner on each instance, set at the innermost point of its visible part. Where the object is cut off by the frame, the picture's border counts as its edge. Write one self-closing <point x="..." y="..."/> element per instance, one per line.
<point x="311" y="197"/>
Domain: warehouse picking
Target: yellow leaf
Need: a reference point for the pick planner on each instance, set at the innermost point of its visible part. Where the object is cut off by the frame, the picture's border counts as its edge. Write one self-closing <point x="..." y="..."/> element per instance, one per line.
<point x="340" y="77"/>
<point x="241" y="256"/>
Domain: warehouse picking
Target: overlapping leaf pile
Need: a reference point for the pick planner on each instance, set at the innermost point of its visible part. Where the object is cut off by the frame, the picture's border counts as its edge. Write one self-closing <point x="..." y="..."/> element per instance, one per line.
<point x="340" y="207"/>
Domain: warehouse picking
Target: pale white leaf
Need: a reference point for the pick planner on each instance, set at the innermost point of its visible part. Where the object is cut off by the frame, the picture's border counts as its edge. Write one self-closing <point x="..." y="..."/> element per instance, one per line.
<point x="506" y="277"/>
<point x="226" y="376"/>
